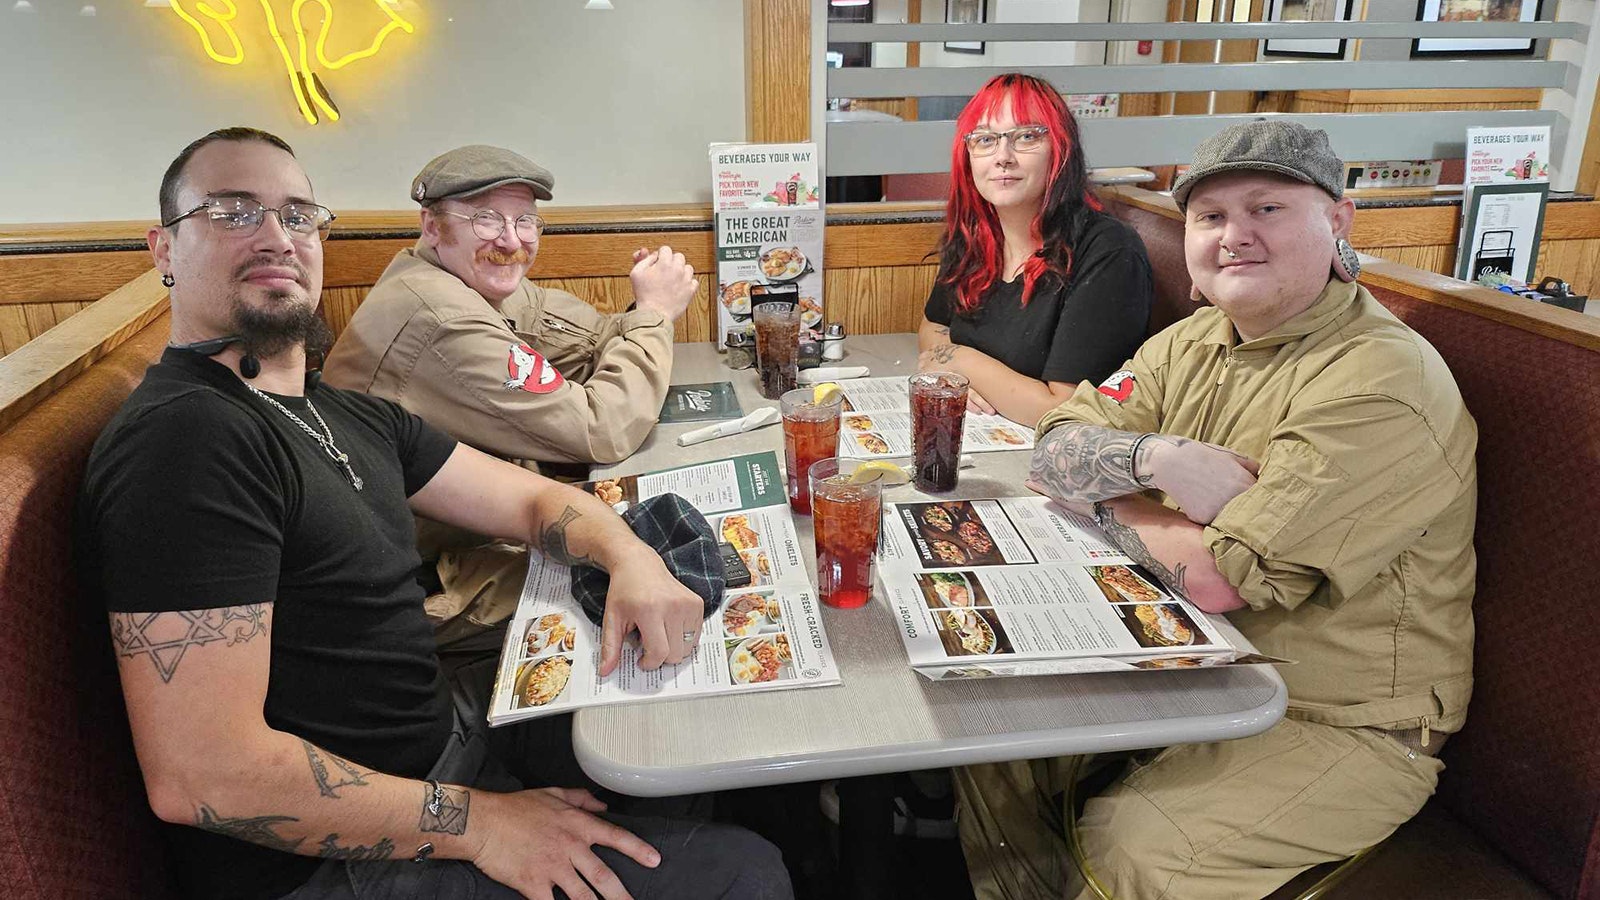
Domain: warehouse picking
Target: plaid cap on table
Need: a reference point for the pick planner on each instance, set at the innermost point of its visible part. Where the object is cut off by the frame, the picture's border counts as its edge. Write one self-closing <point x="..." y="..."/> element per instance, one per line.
<point x="683" y="538"/>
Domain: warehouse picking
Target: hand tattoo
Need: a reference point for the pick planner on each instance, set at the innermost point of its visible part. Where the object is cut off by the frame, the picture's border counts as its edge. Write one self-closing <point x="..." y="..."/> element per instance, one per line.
<point x="449" y="814"/>
<point x="166" y="636"/>
<point x="348" y="775"/>
<point x="553" y="541"/>
<point x="330" y="849"/>
<point x="255" y="829"/>
<point x="1127" y="539"/>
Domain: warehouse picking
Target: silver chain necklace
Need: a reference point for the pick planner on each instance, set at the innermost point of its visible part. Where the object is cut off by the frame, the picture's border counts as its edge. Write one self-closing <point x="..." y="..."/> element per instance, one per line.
<point x="325" y="442"/>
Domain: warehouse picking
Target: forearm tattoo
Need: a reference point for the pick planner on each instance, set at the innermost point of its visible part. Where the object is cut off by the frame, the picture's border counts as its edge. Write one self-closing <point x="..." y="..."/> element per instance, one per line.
<point x="1082" y="463"/>
<point x="255" y="829"/>
<point x="343" y="773"/>
<point x="553" y="541"/>
<point x="447" y="812"/>
<point x="942" y="354"/>
<point x="940" y="329"/>
<point x="330" y="849"/>
<point x="165" y="637"/>
<point x="1127" y="539"/>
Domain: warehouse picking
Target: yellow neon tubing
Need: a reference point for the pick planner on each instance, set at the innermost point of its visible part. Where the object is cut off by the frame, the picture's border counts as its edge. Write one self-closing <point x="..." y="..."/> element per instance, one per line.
<point x="395" y="23"/>
<point x="288" y="65"/>
<point x="222" y="19"/>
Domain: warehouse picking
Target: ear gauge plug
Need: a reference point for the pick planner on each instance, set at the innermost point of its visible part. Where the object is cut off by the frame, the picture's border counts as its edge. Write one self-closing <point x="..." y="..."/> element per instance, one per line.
<point x="1346" y="264"/>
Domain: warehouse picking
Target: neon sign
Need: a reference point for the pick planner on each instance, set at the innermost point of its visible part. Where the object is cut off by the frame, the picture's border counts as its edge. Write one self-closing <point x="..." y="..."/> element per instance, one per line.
<point x="309" y="92"/>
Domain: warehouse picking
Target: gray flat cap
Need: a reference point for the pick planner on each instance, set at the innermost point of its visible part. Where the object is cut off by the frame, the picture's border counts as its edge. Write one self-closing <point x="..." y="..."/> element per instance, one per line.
<point x="476" y="168"/>
<point x="1285" y="148"/>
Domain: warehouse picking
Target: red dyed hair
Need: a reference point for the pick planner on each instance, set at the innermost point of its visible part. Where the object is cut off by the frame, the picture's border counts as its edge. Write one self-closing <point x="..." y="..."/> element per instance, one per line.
<point x="972" y="249"/>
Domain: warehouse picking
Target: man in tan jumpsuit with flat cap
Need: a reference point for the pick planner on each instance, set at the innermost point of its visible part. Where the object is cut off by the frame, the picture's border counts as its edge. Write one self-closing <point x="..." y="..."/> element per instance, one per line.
<point x="1299" y="459"/>
<point x="454" y="332"/>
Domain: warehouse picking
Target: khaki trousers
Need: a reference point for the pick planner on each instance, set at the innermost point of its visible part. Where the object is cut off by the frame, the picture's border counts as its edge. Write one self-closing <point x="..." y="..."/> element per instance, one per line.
<point x="479" y="593"/>
<point x="1226" y="820"/>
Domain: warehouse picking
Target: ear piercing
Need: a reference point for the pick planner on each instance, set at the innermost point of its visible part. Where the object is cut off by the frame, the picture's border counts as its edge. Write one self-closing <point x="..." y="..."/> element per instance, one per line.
<point x="168" y="280"/>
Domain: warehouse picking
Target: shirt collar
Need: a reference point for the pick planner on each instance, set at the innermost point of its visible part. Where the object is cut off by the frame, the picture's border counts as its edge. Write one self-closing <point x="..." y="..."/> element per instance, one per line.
<point x="1336" y="297"/>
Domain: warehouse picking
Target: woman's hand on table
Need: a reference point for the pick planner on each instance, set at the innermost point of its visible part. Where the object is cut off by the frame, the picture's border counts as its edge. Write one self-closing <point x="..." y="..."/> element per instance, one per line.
<point x="644" y="596"/>
<point x="543" y="839"/>
<point x="976" y="402"/>
<point x="944" y="358"/>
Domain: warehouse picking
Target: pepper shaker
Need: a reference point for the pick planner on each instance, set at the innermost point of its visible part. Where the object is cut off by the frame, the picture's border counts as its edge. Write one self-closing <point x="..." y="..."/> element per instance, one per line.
<point x="741" y="349"/>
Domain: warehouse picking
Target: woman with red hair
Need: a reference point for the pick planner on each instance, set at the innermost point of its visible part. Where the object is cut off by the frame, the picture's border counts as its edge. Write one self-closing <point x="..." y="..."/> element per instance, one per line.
<point x="1038" y="289"/>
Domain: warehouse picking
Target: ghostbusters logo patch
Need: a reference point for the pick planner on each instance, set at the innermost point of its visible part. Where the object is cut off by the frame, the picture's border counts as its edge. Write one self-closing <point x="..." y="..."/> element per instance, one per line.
<point x="1118" y="386"/>
<point x="531" y="372"/>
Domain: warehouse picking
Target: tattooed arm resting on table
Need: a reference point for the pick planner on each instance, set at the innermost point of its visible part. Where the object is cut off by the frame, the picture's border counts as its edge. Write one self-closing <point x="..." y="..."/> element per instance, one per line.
<point x="1101" y="472"/>
<point x="195" y="682"/>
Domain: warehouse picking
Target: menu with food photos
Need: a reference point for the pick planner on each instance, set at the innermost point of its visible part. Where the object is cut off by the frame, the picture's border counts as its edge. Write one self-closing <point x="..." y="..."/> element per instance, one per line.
<point x="767" y="635"/>
<point x="770" y="224"/>
<point x="877" y="422"/>
<point x="1020" y="586"/>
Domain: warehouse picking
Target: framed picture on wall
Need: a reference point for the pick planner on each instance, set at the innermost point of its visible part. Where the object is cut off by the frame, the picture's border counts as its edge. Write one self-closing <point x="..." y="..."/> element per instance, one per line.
<point x="964" y="12"/>
<point x="1475" y="11"/>
<point x="1308" y="11"/>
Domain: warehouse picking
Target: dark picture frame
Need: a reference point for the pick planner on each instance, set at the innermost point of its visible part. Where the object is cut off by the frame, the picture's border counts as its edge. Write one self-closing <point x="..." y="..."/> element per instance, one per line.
<point x="965" y="12"/>
<point x="1306" y="48"/>
<point x="1441" y="11"/>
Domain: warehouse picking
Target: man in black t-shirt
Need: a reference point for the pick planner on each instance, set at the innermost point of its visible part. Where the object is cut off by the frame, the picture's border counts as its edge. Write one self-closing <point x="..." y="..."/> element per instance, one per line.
<point x="251" y="536"/>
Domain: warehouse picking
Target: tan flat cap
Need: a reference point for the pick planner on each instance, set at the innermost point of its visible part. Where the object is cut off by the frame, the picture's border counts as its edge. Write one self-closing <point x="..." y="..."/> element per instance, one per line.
<point x="1285" y="148"/>
<point x="476" y="168"/>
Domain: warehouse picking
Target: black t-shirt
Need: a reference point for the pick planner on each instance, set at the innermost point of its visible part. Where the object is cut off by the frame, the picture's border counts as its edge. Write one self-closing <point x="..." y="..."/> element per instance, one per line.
<point x="1080" y="331"/>
<point x="200" y="495"/>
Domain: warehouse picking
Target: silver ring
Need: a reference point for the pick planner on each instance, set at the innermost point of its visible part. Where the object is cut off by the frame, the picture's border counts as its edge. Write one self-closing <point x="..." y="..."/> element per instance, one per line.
<point x="1231" y="254"/>
<point x="688" y="637"/>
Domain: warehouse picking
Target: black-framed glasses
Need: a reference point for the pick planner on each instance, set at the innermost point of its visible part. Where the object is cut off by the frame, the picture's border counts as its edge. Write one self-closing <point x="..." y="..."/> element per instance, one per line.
<point x="1024" y="139"/>
<point x="489" y="224"/>
<point x="242" y="217"/>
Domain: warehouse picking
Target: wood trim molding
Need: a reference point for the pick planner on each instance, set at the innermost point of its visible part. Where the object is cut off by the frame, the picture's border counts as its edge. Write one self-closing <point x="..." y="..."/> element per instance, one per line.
<point x="1542" y="319"/>
<point x="41" y="366"/>
<point x="777" y="71"/>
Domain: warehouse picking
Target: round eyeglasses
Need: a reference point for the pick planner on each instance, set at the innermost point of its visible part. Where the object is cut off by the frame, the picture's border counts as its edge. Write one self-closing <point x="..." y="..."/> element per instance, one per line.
<point x="488" y="224"/>
<point x="1026" y="139"/>
<point x="242" y="217"/>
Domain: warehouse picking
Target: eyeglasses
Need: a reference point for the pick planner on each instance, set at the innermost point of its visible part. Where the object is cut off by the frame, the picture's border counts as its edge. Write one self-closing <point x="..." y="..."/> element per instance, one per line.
<point x="242" y="217"/>
<point x="489" y="225"/>
<point x="1027" y="139"/>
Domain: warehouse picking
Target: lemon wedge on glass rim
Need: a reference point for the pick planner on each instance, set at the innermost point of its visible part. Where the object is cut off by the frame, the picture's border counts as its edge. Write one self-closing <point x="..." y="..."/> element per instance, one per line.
<point x="825" y="392"/>
<point x="881" y="472"/>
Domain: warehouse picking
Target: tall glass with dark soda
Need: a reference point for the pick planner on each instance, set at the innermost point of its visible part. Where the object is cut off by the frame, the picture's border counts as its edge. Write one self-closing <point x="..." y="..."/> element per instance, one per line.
<point x="777" y="347"/>
<point x="938" y="411"/>
<point x="810" y="435"/>
<point x="845" y="517"/>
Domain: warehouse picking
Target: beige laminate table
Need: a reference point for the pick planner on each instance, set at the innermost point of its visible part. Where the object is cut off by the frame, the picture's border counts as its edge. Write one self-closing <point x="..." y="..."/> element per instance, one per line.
<point x="885" y="717"/>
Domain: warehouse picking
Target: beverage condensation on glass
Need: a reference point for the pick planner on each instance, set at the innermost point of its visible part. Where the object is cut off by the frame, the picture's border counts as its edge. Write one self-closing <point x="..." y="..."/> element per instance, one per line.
<point x="845" y="519"/>
<point x="810" y="435"/>
<point x="777" y="347"/>
<point x="938" y="410"/>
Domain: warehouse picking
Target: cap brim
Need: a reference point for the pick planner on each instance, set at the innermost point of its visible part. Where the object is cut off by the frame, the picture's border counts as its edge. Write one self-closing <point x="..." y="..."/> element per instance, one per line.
<point x="1186" y="184"/>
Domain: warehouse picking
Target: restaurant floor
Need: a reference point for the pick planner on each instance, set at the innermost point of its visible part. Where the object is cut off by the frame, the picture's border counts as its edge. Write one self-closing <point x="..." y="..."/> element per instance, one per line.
<point x="862" y="857"/>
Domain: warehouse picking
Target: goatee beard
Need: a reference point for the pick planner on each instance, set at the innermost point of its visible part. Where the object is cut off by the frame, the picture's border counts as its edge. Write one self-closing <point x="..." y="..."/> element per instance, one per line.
<point x="266" y="333"/>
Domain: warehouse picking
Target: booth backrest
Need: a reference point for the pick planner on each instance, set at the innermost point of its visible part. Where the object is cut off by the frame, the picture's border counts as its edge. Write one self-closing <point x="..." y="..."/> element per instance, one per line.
<point x="74" y="821"/>
<point x="1525" y="772"/>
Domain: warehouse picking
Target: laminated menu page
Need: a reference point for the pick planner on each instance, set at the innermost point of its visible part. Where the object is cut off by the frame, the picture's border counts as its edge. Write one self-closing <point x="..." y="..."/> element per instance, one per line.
<point x="877" y="422"/>
<point x="765" y="636"/>
<point x="1020" y="586"/>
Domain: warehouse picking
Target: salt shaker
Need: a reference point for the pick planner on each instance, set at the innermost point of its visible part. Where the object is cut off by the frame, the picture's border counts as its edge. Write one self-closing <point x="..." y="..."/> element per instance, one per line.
<point x="741" y="350"/>
<point x="833" y="342"/>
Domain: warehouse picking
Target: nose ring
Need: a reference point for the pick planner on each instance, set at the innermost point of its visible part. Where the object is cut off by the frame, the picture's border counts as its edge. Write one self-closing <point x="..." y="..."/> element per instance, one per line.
<point x="1231" y="254"/>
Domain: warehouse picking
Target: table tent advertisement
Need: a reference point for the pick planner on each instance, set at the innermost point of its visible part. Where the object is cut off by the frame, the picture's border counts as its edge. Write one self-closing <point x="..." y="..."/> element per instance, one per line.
<point x="1020" y="586"/>
<point x="765" y="636"/>
<point x="769" y="223"/>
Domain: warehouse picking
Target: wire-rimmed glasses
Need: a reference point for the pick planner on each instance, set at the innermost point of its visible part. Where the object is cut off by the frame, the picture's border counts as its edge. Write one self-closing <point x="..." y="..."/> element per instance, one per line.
<point x="488" y="224"/>
<point x="1024" y="139"/>
<point x="242" y="217"/>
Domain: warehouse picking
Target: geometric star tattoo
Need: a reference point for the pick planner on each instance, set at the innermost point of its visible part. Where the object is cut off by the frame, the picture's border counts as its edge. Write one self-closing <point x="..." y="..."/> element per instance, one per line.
<point x="166" y="636"/>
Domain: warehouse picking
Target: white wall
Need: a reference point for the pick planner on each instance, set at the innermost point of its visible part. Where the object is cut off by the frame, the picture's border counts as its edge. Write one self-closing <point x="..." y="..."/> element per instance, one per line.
<point x="619" y="104"/>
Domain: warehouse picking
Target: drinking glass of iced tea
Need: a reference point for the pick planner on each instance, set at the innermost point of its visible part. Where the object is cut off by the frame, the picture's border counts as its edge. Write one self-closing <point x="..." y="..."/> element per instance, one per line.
<point x="845" y="514"/>
<point x="938" y="410"/>
<point x="810" y="435"/>
<point x="777" y="347"/>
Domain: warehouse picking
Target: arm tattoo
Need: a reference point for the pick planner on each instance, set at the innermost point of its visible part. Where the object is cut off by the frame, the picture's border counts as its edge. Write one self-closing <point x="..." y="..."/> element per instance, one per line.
<point x="1126" y="538"/>
<point x="255" y="829"/>
<point x="165" y="636"/>
<point x="940" y="329"/>
<point x="449" y="814"/>
<point x="1083" y="463"/>
<point x="328" y="783"/>
<point x="553" y="541"/>
<point x="942" y="354"/>
<point x="330" y="849"/>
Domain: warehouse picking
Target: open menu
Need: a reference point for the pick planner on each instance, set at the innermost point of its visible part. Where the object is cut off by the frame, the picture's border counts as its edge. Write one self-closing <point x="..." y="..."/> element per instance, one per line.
<point x="1020" y="586"/>
<point x="877" y="422"/>
<point x="765" y="636"/>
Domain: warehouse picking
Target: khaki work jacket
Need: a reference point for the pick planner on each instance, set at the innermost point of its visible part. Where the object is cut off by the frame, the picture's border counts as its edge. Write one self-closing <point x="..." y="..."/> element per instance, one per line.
<point x="546" y="378"/>
<point x="1354" y="547"/>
